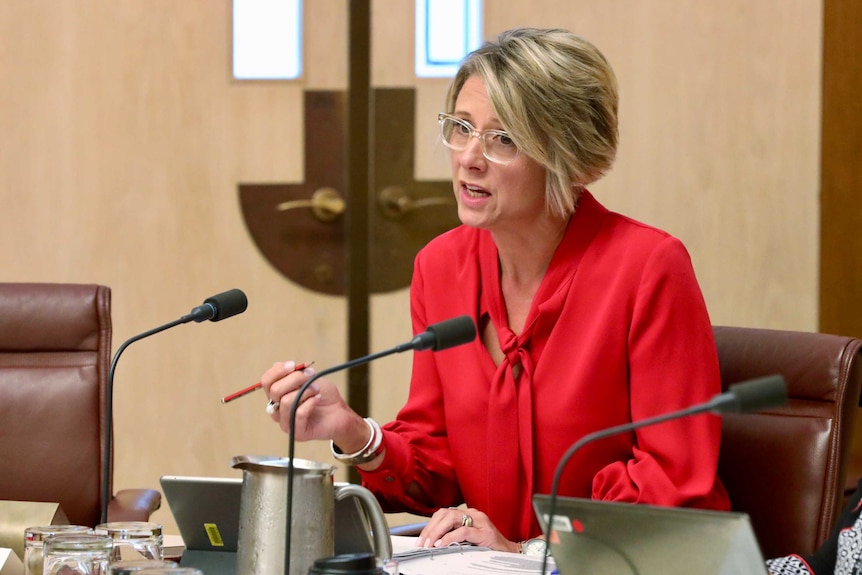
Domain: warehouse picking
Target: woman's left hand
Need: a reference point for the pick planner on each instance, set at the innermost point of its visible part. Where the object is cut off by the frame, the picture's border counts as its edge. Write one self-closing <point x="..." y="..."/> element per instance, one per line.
<point x="452" y="525"/>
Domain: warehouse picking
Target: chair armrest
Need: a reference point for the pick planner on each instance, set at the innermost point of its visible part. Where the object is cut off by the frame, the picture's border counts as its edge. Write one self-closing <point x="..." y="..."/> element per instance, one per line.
<point x="134" y="505"/>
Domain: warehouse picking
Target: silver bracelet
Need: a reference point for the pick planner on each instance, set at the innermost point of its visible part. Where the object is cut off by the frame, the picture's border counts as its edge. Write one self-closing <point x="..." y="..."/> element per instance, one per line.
<point x="368" y="453"/>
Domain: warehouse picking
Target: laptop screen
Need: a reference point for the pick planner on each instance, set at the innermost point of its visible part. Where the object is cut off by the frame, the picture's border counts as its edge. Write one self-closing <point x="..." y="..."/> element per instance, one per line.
<point x="206" y="510"/>
<point x="599" y="537"/>
<point x="207" y="513"/>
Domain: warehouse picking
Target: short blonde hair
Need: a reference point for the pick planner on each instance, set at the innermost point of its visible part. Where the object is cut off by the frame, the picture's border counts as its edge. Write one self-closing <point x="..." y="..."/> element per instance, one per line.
<point x="556" y="95"/>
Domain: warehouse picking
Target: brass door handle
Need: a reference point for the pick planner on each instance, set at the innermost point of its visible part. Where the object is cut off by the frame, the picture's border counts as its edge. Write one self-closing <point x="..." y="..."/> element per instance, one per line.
<point x="326" y="204"/>
<point x="395" y="203"/>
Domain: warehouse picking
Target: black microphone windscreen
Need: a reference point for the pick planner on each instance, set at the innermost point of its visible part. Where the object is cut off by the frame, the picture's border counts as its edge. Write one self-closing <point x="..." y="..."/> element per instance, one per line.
<point x="452" y="332"/>
<point x="227" y="304"/>
<point x="760" y="393"/>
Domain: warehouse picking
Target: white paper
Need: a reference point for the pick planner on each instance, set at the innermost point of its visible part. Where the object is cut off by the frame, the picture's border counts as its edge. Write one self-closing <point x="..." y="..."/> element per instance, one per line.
<point x="463" y="560"/>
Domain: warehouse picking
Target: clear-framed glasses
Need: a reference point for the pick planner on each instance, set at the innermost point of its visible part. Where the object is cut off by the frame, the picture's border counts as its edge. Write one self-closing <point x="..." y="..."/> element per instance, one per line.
<point x="497" y="145"/>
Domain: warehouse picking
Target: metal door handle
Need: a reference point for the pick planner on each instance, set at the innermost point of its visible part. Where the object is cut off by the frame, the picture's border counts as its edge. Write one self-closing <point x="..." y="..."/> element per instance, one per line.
<point x="326" y="204"/>
<point x="395" y="203"/>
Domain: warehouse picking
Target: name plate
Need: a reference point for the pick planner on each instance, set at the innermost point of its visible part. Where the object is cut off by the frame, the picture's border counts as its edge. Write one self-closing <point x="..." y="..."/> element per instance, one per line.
<point x="10" y="564"/>
<point x="16" y="516"/>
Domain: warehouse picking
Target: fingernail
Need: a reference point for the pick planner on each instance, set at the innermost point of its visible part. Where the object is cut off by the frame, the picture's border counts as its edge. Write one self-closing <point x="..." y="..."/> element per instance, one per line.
<point x="314" y="387"/>
<point x="308" y="371"/>
<point x="420" y="542"/>
<point x="289" y="365"/>
<point x="438" y="543"/>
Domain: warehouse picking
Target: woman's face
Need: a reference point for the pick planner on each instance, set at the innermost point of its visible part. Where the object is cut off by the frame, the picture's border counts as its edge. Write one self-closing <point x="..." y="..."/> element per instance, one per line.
<point x="493" y="196"/>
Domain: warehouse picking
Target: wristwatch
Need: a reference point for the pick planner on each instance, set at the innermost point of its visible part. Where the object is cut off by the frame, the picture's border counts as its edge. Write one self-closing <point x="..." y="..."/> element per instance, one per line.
<point x="537" y="547"/>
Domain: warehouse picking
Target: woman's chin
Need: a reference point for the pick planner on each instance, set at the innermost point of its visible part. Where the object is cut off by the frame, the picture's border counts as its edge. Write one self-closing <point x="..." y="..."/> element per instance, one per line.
<point x="472" y="219"/>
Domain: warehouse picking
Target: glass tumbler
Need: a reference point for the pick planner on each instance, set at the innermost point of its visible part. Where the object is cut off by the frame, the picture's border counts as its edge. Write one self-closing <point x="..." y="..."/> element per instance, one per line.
<point x="133" y="540"/>
<point x="77" y="554"/>
<point x="33" y="541"/>
<point x="170" y="571"/>
<point x="133" y="566"/>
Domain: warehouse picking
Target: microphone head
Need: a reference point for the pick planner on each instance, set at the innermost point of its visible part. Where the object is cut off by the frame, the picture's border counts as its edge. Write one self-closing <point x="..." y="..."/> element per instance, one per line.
<point x="760" y="393"/>
<point x="227" y="304"/>
<point x="449" y="333"/>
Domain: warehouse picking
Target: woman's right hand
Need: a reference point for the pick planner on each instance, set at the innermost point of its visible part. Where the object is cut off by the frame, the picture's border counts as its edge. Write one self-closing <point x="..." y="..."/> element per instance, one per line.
<point x="322" y="412"/>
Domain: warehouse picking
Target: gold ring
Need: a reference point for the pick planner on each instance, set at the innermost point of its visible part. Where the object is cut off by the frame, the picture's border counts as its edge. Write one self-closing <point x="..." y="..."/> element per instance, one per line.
<point x="466" y="521"/>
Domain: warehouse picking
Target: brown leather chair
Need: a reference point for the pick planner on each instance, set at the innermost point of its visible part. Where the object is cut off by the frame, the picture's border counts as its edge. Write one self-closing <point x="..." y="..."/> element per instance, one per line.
<point x="785" y="467"/>
<point x="55" y="348"/>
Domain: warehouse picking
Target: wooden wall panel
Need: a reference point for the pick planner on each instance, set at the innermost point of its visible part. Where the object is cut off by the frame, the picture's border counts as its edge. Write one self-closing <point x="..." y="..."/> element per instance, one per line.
<point x="123" y="141"/>
<point x="841" y="171"/>
<point x="124" y="138"/>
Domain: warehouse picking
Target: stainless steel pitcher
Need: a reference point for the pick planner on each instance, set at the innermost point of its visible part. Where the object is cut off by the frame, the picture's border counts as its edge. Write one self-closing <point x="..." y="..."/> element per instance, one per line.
<point x="263" y="515"/>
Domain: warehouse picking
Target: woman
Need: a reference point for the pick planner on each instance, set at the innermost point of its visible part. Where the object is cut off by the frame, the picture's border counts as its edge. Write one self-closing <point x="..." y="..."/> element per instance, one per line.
<point x="586" y="320"/>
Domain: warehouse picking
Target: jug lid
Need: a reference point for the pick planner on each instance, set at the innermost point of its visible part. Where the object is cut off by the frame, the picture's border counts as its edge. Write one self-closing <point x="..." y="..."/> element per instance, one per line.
<point x="347" y="564"/>
<point x="268" y="462"/>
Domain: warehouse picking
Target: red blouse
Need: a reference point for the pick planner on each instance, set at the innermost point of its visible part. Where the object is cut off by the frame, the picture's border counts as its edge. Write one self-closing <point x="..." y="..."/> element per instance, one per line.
<point x="617" y="332"/>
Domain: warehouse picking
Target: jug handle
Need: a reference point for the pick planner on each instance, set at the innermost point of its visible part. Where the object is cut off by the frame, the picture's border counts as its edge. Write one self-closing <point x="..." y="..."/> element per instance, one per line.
<point x="382" y="540"/>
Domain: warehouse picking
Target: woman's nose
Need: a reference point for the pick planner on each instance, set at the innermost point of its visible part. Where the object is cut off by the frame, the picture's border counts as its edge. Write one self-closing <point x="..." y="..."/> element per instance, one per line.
<point x="473" y="152"/>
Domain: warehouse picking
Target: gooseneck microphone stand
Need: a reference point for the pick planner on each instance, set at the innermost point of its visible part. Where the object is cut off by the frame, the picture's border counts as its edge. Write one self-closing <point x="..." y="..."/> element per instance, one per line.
<point x="751" y="395"/>
<point x="443" y="335"/>
<point x="216" y="308"/>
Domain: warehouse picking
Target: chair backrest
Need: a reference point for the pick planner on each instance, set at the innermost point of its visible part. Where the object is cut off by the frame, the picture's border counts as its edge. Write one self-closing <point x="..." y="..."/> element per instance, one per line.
<point x="785" y="467"/>
<point x="55" y="345"/>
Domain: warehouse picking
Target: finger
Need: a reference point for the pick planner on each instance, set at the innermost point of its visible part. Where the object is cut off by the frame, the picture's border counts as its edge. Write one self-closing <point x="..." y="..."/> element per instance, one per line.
<point x="275" y="373"/>
<point x="443" y="522"/>
<point x="274" y="405"/>
<point x="460" y="529"/>
<point x="307" y="402"/>
<point x="281" y="390"/>
<point x="304" y="410"/>
<point x="431" y="532"/>
<point x="459" y="535"/>
<point x="288" y="400"/>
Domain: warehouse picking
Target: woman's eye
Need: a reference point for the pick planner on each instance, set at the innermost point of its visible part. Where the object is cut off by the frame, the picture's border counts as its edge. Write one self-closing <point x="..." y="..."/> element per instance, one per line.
<point x="502" y="139"/>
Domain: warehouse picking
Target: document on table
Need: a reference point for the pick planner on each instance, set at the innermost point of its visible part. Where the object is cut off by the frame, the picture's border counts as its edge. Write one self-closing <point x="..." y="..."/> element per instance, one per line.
<point x="461" y="560"/>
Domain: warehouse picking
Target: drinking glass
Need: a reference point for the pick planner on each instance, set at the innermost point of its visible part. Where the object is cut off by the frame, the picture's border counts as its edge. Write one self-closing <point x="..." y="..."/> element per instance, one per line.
<point x="170" y="571"/>
<point x="77" y="554"/>
<point x="135" y="565"/>
<point x="34" y="538"/>
<point x="133" y="540"/>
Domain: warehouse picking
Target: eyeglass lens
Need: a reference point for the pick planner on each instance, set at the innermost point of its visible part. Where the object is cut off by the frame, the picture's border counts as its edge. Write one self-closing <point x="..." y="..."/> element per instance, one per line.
<point x="497" y="145"/>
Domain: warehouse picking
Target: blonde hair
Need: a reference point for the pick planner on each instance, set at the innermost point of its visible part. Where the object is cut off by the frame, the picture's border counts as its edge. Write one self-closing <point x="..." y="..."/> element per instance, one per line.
<point x="556" y="96"/>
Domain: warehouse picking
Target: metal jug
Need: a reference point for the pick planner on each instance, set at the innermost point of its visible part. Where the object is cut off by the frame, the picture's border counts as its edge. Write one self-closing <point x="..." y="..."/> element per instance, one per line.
<point x="263" y="515"/>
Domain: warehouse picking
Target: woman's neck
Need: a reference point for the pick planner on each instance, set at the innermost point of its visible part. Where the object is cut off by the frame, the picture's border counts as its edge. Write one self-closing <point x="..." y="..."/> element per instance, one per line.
<point x="525" y="254"/>
<point x="524" y="259"/>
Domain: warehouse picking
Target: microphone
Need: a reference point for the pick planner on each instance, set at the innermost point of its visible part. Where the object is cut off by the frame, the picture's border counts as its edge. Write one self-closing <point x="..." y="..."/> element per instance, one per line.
<point x="436" y="337"/>
<point x="215" y="308"/>
<point x="218" y="307"/>
<point x="751" y="395"/>
<point x="450" y="333"/>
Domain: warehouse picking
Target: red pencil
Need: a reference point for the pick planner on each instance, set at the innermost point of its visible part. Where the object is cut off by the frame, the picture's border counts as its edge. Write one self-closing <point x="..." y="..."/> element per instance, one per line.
<point x="241" y="392"/>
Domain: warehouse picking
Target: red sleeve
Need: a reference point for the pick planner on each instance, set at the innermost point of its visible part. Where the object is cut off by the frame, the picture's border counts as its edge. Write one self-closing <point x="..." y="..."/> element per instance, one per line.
<point x="673" y="364"/>
<point x="417" y="446"/>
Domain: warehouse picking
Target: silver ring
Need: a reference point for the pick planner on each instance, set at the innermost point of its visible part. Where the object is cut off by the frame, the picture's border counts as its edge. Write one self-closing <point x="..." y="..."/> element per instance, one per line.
<point x="271" y="407"/>
<point x="466" y="521"/>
